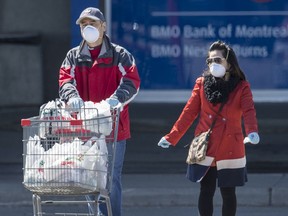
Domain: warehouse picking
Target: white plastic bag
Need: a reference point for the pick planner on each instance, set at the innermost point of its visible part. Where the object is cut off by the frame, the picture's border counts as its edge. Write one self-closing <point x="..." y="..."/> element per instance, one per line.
<point x="51" y="113"/>
<point x="62" y="161"/>
<point x="34" y="151"/>
<point x="33" y="161"/>
<point x="95" y="163"/>
<point x="78" y="162"/>
<point x="97" y="117"/>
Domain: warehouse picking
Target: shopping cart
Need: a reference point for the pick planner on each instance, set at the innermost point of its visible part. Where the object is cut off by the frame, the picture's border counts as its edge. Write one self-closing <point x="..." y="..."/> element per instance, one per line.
<point x="69" y="156"/>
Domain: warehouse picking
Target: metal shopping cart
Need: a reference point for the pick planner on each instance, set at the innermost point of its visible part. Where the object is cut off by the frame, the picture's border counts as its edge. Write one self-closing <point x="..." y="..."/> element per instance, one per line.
<point x="69" y="156"/>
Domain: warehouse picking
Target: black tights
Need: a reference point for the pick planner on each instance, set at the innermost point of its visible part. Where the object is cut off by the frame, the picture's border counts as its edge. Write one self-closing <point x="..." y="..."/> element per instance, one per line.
<point x="207" y="191"/>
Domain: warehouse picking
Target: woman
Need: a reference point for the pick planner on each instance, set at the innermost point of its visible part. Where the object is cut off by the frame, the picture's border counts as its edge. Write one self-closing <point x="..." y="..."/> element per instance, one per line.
<point x="224" y="82"/>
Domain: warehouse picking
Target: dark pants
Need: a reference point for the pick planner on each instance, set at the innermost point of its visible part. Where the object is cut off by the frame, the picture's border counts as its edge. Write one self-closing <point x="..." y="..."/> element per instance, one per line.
<point x="207" y="191"/>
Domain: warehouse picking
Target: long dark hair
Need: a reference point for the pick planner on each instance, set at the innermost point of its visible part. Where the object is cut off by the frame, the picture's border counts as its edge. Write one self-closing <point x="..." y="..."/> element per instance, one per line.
<point x="229" y="54"/>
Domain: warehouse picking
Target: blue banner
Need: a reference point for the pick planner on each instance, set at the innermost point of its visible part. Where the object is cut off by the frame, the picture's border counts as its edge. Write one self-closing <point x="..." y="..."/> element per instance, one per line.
<point x="170" y="38"/>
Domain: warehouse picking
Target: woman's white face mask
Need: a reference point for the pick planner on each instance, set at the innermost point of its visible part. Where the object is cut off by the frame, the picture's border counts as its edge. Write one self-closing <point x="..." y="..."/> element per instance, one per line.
<point x="90" y="34"/>
<point x="217" y="70"/>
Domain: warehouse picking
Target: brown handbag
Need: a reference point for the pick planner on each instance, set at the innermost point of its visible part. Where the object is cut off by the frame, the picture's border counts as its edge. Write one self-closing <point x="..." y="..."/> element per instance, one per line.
<point x="198" y="146"/>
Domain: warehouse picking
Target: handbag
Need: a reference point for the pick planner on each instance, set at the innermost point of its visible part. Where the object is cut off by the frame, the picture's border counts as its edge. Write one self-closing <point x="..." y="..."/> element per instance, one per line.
<point x="199" y="144"/>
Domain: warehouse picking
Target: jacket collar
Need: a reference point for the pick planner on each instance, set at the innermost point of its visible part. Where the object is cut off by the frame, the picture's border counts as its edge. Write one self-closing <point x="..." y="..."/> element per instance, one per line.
<point x="105" y="55"/>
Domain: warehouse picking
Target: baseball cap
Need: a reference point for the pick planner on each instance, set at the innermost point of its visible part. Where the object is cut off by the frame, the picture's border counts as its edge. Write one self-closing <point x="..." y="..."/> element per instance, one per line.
<point x="92" y="13"/>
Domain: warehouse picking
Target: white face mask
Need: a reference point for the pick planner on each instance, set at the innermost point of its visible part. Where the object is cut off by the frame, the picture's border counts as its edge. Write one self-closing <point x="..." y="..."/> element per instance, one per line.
<point x="90" y="34"/>
<point x="217" y="70"/>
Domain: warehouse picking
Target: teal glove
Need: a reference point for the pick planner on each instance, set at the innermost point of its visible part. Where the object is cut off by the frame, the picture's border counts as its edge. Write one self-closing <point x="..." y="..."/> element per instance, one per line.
<point x="252" y="138"/>
<point x="114" y="103"/>
<point x="75" y="103"/>
<point x="164" y="143"/>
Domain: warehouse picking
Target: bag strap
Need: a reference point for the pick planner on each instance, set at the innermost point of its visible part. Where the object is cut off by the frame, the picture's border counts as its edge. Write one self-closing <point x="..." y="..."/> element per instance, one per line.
<point x="214" y="121"/>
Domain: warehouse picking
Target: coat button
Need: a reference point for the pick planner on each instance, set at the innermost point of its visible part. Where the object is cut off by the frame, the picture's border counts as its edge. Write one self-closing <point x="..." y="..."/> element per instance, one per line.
<point x="210" y="116"/>
<point x="224" y="119"/>
<point x="230" y="153"/>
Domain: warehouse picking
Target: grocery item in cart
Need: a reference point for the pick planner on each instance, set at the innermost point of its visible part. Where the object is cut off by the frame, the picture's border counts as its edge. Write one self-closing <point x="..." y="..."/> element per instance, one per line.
<point x="97" y="116"/>
<point x="54" y="116"/>
<point x="34" y="150"/>
<point x="76" y="161"/>
<point x="99" y="163"/>
<point x="57" y="119"/>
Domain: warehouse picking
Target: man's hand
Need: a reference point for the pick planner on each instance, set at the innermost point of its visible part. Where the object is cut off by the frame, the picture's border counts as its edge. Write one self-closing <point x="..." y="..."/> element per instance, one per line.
<point x="114" y="103"/>
<point x="75" y="103"/>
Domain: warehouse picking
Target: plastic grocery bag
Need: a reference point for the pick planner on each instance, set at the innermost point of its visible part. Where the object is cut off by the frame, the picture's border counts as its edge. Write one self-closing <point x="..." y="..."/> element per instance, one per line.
<point x="95" y="163"/>
<point x="76" y="161"/>
<point x="97" y="117"/>
<point x="51" y="113"/>
<point x="34" y="150"/>
<point x="63" y="162"/>
<point x="33" y="161"/>
<point x="56" y="164"/>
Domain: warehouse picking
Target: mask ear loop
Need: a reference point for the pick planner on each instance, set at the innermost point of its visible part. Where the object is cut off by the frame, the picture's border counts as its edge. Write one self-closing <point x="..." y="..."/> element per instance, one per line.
<point x="216" y="42"/>
<point x="227" y="53"/>
<point x="227" y="76"/>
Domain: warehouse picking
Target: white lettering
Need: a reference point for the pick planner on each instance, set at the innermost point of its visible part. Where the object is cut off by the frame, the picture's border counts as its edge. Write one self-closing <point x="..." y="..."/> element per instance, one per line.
<point x="250" y="51"/>
<point x="225" y="31"/>
<point x="158" y="51"/>
<point x="261" y="31"/>
<point x="165" y="31"/>
<point x="198" y="32"/>
<point x="194" y="51"/>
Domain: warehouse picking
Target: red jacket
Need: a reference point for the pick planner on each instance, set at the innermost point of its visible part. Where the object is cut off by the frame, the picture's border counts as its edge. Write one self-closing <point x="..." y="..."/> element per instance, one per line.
<point x="226" y="140"/>
<point x="113" y="73"/>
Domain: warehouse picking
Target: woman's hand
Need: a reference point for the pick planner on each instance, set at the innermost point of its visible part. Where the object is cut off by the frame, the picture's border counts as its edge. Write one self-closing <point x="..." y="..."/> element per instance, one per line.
<point x="252" y="138"/>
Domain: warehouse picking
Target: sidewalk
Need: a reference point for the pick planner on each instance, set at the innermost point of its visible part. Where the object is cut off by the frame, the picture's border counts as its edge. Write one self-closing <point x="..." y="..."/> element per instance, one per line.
<point x="176" y="190"/>
<point x="166" y="190"/>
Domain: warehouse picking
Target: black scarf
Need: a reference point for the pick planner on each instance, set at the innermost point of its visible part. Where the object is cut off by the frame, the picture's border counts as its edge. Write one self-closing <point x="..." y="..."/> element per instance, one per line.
<point x="217" y="90"/>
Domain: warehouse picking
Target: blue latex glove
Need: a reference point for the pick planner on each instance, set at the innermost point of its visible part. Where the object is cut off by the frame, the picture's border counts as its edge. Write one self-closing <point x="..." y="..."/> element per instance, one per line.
<point x="164" y="143"/>
<point x="75" y="103"/>
<point x="114" y="103"/>
<point x="252" y="138"/>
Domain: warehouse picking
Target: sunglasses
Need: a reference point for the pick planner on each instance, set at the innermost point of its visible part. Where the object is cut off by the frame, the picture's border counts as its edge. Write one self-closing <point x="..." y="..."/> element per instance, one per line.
<point x="217" y="60"/>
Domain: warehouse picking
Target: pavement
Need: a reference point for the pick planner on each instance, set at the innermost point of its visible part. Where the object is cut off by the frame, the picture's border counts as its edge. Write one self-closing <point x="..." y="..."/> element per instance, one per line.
<point x="164" y="190"/>
<point x="154" y="178"/>
<point x="176" y="190"/>
<point x="160" y="194"/>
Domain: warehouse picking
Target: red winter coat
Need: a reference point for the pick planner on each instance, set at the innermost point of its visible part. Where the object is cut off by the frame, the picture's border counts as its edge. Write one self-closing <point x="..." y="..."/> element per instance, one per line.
<point x="226" y="146"/>
<point x="113" y="73"/>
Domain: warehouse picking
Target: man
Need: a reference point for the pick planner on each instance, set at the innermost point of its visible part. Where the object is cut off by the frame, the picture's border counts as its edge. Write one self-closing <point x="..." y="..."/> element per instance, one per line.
<point x="100" y="70"/>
